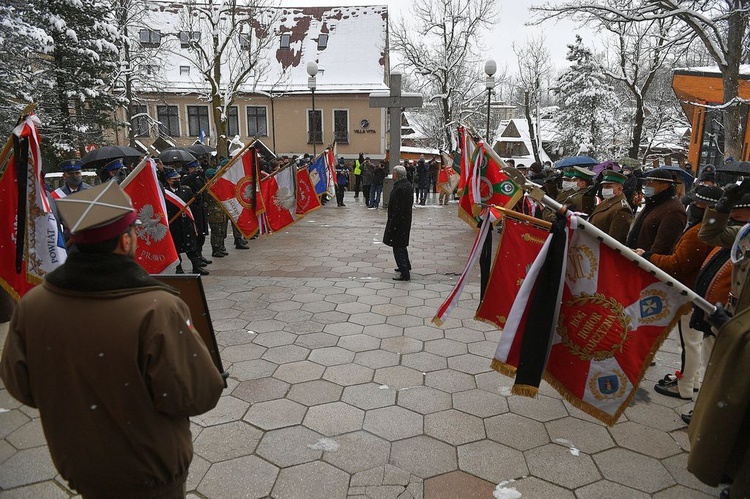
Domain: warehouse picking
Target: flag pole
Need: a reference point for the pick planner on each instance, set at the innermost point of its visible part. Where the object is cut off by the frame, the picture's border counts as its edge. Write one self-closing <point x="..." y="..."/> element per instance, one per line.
<point x="538" y="195"/>
<point x="8" y="147"/>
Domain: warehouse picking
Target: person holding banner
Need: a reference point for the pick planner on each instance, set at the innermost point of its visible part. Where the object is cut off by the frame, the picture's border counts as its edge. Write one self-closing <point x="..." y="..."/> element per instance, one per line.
<point x="182" y="228"/>
<point x="114" y="387"/>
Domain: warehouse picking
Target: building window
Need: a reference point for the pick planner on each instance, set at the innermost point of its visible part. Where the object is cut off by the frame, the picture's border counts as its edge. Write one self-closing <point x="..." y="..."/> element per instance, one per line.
<point x="256" y="121"/>
<point x="322" y="41"/>
<point x="245" y="41"/>
<point x="152" y="69"/>
<point x="186" y="37"/>
<point x="197" y="120"/>
<point x="286" y="40"/>
<point x="184" y="70"/>
<point x="233" y="123"/>
<point x="341" y="126"/>
<point x="169" y="120"/>
<point x="139" y="120"/>
<point x="150" y="38"/>
<point x="314" y="126"/>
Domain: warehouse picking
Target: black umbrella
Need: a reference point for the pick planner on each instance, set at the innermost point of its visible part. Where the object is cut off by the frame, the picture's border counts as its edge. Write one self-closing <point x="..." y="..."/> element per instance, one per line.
<point x="201" y="149"/>
<point x="175" y="155"/>
<point x="103" y="155"/>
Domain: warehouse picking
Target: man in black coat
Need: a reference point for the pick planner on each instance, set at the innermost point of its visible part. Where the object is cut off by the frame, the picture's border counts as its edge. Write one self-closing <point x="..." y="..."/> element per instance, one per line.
<point x="398" y="226"/>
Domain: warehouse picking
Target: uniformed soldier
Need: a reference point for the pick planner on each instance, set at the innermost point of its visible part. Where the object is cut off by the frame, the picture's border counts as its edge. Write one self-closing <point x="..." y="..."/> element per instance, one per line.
<point x="192" y="176"/>
<point x="581" y="200"/>
<point x="183" y="228"/>
<point x="217" y="222"/>
<point x="116" y="171"/>
<point x="71" y="170"/>
<point x="613" y="215"/>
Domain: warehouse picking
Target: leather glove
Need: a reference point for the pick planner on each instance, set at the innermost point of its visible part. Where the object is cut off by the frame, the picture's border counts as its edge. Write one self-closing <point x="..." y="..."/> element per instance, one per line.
<point x="719" y="317"/>
<point x="732" y="194"/>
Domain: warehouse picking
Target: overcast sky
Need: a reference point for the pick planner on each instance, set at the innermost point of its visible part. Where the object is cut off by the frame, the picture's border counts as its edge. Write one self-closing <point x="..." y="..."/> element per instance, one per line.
<point x="510" y="29"/>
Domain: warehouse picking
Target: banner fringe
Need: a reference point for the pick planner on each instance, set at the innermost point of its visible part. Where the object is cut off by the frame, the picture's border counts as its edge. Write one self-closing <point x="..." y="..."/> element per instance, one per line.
<point x="436" y="320"/>
<point x="503" y="368"/>
<point x="525" y="390"/>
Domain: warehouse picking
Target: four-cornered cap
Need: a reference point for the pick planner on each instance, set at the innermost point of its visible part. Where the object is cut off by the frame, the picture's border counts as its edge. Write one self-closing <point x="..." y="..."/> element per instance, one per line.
<point x="71" y="165"/>
<point x="660" y="175"/>
<point x="611" y="177"/>
<point x="115" y="164"/>
<point x="579" y="172"/>
<point x="193" y="164"/>
<point x="708" y="194"/>
<point x="173" y="174"/>
<point x="97" y="214"/>
<point x="744" y="201"/>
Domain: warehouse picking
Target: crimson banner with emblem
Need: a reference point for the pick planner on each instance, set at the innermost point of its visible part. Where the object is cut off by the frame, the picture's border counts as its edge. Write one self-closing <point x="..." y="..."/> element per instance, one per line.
<point x="307" y="199"/>
<point x="235" y="190"/>
<point x="279" y="193"/>
<point x="155" y="250"/>
<point x="612" y="318"/>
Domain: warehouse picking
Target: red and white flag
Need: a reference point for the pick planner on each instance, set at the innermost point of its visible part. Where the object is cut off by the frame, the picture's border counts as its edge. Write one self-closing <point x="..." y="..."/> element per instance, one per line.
<point x="610" y="319"/>
<point x="279" y="192"/>
<point x="155" y="251"/>
<point x="330" y="157"/>
<point x="30" y="240"/>
<point x="307" y="199"/>
<point x="177" y="201"/>
<point x="236" y="192"/>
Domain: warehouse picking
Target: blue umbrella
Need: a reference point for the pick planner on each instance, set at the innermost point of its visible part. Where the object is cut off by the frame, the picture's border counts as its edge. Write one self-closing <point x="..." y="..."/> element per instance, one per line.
<point x="687" y="179"/>
<point x="576" y="161"/>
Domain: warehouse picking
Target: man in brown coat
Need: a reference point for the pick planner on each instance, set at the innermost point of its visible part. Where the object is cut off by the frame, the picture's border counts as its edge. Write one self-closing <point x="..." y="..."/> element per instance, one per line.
<point x="116" y="384"/>
<point x="613" y="215"/>
<point x="661" y="222"/>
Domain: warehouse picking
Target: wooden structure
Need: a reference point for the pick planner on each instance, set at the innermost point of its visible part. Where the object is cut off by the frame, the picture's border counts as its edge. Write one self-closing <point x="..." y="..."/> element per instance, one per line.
<point x="704" y="86"/>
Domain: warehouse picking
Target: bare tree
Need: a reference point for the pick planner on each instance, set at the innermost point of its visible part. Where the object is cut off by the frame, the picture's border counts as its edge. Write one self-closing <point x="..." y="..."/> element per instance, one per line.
<point x="534" y="69"/>
<point x="440" y="46"/>
<point x="721" y="25"/>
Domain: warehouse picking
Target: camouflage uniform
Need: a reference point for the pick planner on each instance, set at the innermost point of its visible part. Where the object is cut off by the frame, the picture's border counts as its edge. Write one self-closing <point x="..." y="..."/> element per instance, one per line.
<point x="217" y="221"/>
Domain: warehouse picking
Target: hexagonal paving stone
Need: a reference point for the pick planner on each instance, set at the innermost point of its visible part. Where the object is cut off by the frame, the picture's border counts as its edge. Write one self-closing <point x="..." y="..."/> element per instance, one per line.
<point x="646" y="440"/>
<point x="588" y="437"/>
<point x="289" y="446"/>
<point x="316" y="480"/>
<point x="252" y="369"/>
<point x="260" y="390"/>
<point x="348" y="374"/>
<point x="558" y="465"/>
<point x="480" y="403"/>
<point x="25" y="467"/>
<point x="331" y="356"/>
<point x="319" y="307"/>
<point x="353" y="308"/>
<point x="424" y="361"/>
<point x="28" y="436"/>
<point x="270" y="333"/>
<point x="227" y="441"/>
<point x="286" y="353"/>
<point x="483" y="348"/>
<point x="389" y="309"/>
<point x="424" y="456"/>
<point x="492" y="461"/>
<point x="464" y="335"/>
<point x="376" y="359"/>
<point x="343" y="328"/>
<point x="368" y="396"/>
<point x="654" y="415"/>
<point x="469" y="363"/>
<point x="457" y="484"/>
<point x="401" y="345"/>
<point x="450" y="381"/>
<point x="316" y="339"/>
<point x="383" y="331"/>
<point x="374" y="299"/>
<point x="359" y="343"/>
<point x="315" y="392"/>
<point x="393" y="423"/>
<point x="677" y="467"/>
<point x="454" y="427"/>
<point x="423" y="333"/>
<point x="424" y="400"/>
<point x="238" y="353"/>
<point x="297" y="372"/>
<point x="541" y="408"/>
<point x="227" y="409"/>
<point x="250" y="474"/>
<point x="404" y="320"/>
<point x="633" y="470"/>
<point x="334" y="418"/>
<point x="610" y="490"/>
<point x="275" y="414"/>
<point x="516" y="431"/>
<point x="399" y="377"/>
<point x="358" y="451"/>
<point x="681" y="492"/>
<point x="445" y="348"/>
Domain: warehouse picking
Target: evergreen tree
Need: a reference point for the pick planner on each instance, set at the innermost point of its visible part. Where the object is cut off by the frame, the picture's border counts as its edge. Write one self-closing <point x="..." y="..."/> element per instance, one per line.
<point x="587" y="105"/>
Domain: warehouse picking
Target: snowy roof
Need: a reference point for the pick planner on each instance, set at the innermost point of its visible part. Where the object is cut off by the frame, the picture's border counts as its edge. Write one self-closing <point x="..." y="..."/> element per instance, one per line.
<point x="355" y="58"/>
<point x="517" y="130"/>
<point x="744" y="70"/>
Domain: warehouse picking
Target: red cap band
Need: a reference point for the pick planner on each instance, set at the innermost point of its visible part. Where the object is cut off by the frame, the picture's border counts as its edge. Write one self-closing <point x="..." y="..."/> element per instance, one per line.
<point x="99" y="234"/>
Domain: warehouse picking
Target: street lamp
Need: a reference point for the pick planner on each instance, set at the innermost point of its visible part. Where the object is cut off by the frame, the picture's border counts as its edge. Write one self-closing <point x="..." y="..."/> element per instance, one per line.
<point x="312" y="70"/>
<point x="490" y="68"/>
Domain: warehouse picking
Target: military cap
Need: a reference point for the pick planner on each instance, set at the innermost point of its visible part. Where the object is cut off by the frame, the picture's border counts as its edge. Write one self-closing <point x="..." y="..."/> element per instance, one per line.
<point x="210" y="172"/>
<point x="744" y="201"/>
<point x="709" y="194"/>
<point x="660" y="175"/>
<point x="579" y="172"/>
<point x="97" y="214"/>
<point x="71" y="165"/>
<point x="521" y="166"/>
<point x="193" y="164"/>
<point x="173" y="174"/>
<point x="223" y="162"/>
<point x="115" y="164"/>
<point x="611" y="177"/>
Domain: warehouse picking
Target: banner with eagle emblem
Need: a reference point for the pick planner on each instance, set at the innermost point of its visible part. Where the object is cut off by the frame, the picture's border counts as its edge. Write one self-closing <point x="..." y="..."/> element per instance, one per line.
<point x="279" y="193"/>
<point x="307" y="199"/>
<point x="236" y="191"/>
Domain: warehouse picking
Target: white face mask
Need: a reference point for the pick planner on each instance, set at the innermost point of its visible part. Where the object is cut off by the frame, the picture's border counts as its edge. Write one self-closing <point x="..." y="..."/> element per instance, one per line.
<point x="567" y="185"/>
<point x="608" y="193"/>
<point x="648" y="191"/>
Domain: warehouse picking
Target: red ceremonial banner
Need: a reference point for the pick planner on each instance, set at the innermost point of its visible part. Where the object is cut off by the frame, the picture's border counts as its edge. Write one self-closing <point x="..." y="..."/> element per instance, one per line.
<point x="307" y="200"/>
<point x="279" y="192"/>
<point x="236" y="192"/>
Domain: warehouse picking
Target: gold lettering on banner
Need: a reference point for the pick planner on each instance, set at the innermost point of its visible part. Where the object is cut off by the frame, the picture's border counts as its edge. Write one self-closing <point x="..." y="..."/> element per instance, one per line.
<point x="593" y="327"/>
<point x="532" y="239"/>
<point x="582" y="263"/>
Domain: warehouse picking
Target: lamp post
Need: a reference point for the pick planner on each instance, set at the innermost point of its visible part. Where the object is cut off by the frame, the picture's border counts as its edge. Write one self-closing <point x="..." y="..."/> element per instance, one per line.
<point x="312" y="70"/>
<point x="490" y="68"/>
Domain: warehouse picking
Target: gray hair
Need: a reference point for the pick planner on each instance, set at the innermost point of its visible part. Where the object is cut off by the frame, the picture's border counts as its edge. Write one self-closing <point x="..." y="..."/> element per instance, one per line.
<point x="399" y="171"/>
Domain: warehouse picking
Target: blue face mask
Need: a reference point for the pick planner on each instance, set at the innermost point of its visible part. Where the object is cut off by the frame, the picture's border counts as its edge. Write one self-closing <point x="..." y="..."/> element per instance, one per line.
<point x="648" y="191"/>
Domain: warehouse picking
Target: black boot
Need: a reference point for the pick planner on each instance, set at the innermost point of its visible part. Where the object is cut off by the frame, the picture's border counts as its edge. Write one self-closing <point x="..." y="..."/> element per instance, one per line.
<point x="223" y="250"/>
<point x="179" y="270"/>
<point x="205" y="260"/>
<point x="217" y="253"/>
<point x="241" y="244"/>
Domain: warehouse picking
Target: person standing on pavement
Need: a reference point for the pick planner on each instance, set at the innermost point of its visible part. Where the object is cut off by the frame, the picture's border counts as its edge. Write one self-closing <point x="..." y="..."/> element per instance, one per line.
<point x="192" y="176"/>
<point x="398" y="226"/>
<point x="368" y="171"/>
<point x="376" y="189"/>
<point x="217" y="222"/>
<point x="183" y="229"/>
<point x="342" y="181"/>
<point x="358" y="174"/>
<point x="115" y="386"/>
<point x="613" y="215"/>
<point x="423" y="179"/>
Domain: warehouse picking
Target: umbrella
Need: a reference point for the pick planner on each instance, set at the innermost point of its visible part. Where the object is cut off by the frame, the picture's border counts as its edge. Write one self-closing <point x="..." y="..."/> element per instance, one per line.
<point x="611" y="165"/>
<point x="735" y="168"/>
<point x="626" y="161"/>
<point x="175" y="155"/>
<point x="686" y="177"/>
<point x="103" y="155"/>
<point x="576" y="161"/>
<point x="201" y="149"/>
